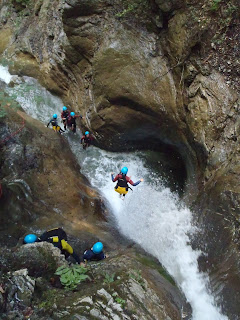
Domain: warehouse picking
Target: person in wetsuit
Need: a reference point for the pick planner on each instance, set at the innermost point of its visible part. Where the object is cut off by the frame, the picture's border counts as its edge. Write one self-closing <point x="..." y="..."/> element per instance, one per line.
<point x="86" y="140"/>
<point x="58" y="238"/>
<point x="71" y="121"/>
<point x="122" y="182"/>
<point x="65" y="115"/>
<point x="95" y="253"/>
<point x="54" y="124"/>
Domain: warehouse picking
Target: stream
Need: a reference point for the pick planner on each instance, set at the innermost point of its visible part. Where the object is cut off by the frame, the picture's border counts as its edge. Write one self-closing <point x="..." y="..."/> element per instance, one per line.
<point x="151" y="215"/>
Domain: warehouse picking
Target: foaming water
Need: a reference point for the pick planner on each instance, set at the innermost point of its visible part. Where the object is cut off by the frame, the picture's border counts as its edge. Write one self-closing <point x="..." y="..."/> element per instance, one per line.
<point x="4" y="74"/>
<point x="151" y="214"/>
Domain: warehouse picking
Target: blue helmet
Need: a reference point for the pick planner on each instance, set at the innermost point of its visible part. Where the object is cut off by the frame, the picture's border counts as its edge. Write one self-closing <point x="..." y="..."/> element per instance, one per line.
<point x="64" y="108"/>
<point x="72" y="114"/>
<point x="55" y="116"/>
<point x="97" y="247"/>
<point x="87" y="132"/>
<point x="124" y="170"/>
<point x="30" y="238"/>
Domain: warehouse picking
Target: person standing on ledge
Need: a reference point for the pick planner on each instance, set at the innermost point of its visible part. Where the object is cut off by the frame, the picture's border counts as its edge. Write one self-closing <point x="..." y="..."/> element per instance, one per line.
<point x="54" y="124"/>
<point x="64" y="115"/>
<point x="71" y="121"/>
<point x="122" y="182"/>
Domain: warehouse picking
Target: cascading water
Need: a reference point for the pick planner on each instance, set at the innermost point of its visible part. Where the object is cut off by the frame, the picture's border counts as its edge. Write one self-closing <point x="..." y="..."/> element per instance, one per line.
<point x="151" y="214"/>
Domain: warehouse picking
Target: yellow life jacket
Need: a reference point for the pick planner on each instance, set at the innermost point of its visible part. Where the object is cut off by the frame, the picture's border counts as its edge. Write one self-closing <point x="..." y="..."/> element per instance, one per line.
<point x="121" y="190"/>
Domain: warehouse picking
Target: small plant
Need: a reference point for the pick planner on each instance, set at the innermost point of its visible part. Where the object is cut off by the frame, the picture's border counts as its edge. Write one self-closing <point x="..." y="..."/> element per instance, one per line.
<point x="71" y="276"/>
<point x="120" y="301"/>
<point x="109" y="278"/>
<point x="137" y="276"/>
<point x="215" y="5"/>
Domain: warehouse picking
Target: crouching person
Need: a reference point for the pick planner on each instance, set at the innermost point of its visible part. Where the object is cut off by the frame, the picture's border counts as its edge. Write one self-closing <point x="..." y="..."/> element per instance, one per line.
<point x="95" y="253"/>
<point x="58" y="238"/>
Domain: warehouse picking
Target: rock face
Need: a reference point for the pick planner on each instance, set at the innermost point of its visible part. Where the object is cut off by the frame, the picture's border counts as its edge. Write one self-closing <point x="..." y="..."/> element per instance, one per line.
<point x="147" y="83"/>
<point x="119" y="288"/>
<point x="41" y="180"/>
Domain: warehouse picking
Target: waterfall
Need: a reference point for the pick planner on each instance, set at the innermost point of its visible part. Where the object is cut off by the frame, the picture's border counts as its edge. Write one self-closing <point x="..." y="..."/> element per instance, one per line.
<point x="151" y="215"/>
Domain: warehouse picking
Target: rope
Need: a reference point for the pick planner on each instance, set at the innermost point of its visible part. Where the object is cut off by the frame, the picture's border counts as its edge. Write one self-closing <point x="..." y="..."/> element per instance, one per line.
<point x="2" y="142"/>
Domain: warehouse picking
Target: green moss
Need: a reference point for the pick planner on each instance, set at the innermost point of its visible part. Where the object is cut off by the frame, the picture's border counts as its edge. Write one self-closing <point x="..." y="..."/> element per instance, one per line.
<point x="149" y="262"/>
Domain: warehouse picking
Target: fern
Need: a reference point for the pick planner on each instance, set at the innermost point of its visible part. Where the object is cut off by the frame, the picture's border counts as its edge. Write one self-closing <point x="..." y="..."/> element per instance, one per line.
<point x="71" y="276"/>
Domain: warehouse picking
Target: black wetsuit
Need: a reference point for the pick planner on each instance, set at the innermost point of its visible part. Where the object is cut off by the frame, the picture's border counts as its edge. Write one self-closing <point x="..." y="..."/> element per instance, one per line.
<point x="64" y="116"/>
<point x="71" y="122"/>
<point x="53" y="122"/>
<point x="89" y="255"/>
<point x="58" y="238"/>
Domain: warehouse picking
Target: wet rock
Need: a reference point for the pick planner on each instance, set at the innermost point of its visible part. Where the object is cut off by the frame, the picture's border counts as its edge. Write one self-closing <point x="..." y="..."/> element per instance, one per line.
<point x="17" y="295"/>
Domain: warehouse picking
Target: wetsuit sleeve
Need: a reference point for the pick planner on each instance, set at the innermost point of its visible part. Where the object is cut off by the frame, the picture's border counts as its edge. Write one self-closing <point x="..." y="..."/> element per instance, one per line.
<point x="132" y="183"/>
<point x="101" y="256"/>
<point x="49" y="122"/>
<point x="114" y="179"/>
<point x="82" y="138"/>
<point x="88" y="255"/>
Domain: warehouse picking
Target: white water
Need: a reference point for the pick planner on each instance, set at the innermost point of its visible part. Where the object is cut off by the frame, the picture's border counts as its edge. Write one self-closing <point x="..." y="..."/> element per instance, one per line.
<point x="4" y="74"/>
<point x="150" y="215"/>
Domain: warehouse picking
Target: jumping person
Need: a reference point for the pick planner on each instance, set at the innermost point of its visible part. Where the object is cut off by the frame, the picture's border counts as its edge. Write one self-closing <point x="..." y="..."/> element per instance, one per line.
<point x="86" y="140"/>
<point x="65" y="115"/>
<point x="95" y="253"/>
<point x="58" y="238"/>
<point x="122" y="182"/>
<point x="71" y="121"/>
<point x="54" y="124"/>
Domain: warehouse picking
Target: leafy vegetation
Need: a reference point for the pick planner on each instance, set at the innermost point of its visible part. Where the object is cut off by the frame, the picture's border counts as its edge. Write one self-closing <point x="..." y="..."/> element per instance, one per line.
<point x="71" y="276"/>
<point x="119" y="300"/>
<point x="137" y="276"/>
<point x="109" y="278"/>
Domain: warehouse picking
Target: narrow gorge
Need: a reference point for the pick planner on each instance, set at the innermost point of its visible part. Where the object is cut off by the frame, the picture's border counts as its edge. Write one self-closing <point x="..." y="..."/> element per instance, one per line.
<point x="157" y="83"/>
